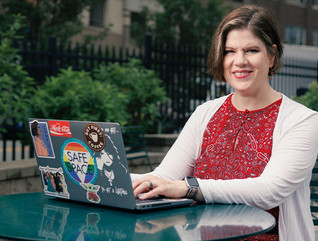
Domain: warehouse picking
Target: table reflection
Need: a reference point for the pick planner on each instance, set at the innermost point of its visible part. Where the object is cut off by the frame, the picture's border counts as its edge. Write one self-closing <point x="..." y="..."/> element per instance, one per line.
<point x="60" y="223"/>
<point x="210" y="222"/>
<point x="51" y="219"/>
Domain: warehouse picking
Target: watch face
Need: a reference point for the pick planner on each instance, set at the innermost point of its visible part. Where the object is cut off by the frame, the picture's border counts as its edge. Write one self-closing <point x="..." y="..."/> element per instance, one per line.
<point x="192" y="181"/>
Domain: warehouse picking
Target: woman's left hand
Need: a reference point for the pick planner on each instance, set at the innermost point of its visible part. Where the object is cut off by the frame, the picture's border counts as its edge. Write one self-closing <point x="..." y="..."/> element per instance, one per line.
<point x="151" y="186"/>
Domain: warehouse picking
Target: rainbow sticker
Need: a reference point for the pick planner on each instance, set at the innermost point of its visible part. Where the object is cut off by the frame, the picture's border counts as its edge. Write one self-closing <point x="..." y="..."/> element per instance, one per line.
<point x="79" y="162"/>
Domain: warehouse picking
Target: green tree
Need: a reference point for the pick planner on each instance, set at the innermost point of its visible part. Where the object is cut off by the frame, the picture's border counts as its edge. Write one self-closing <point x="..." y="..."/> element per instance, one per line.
<point x="183" y="21"/>
<point x="47" y="17"/>
<point x="16" y="87"/>
<point x="310" y="98"/>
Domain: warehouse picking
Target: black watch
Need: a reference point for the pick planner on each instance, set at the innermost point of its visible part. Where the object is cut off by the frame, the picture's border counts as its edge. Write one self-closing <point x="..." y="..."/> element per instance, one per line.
<point x="193" y="186"/>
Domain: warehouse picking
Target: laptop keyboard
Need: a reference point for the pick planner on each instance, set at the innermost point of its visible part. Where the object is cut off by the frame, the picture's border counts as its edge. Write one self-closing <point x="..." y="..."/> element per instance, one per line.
<point x="155" y="199"/>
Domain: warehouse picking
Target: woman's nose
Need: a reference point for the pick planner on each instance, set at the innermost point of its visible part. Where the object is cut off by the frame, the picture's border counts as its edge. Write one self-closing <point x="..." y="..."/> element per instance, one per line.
<point x="240" y="59"/>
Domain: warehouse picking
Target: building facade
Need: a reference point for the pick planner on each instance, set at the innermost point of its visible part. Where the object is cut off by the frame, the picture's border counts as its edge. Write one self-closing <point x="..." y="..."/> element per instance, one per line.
<point x="118" y="15"/>
<point x="298" y="19"/>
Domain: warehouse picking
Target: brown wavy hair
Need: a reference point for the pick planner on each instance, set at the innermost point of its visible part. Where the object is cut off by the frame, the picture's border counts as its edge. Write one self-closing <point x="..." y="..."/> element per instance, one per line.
<point x="254" y="18"/>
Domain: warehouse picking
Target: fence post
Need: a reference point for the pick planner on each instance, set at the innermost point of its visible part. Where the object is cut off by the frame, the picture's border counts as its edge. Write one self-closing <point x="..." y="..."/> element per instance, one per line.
<point x="148" y="50"/>
<point x="4" y="148"/>
<point x="52" y="56"/>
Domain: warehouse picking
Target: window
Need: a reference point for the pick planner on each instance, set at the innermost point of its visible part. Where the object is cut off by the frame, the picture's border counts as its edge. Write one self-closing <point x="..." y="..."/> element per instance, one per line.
<point x="297" y="1"/>
<point x="315" y="3"/>
<point x="97" y="14"/>
<point x="295" y="35"/>
<point x="136" y="19"/>
<point x="315" y="37"/>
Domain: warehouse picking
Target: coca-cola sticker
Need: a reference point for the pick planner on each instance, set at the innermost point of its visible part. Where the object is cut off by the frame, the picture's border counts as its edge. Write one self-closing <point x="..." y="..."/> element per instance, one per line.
<point x="60" y="128"/>
<point x="94" y="137"/>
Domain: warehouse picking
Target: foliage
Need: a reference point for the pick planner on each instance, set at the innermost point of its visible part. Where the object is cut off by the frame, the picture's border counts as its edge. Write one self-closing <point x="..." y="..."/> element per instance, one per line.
<point x="126" y="94"/>
<point x="184" y="21"/>
<point x="74" y="95"/>
<point x="310" y="98"/>
<point x="142" y="88"/>
<point x="16" y="87"/>
<point x="44" y="18"/>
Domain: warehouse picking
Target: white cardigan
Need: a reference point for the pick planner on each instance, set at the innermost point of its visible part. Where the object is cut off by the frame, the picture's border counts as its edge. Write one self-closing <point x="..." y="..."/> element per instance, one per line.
<point x="284" y="181"/>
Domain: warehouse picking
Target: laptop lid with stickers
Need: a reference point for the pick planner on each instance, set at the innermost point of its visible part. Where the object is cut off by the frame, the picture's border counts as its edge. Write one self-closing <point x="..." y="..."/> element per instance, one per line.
<point x="86" y="161"/>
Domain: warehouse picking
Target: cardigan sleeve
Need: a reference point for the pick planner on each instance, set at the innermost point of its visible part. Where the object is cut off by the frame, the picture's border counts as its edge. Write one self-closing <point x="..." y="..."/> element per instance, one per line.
<point x="295" y="147"/>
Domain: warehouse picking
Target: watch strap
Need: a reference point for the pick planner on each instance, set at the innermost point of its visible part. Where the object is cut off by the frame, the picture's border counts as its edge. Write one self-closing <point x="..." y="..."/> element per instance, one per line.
<point x="193" y="189"/>
<point x="192" y="192"/>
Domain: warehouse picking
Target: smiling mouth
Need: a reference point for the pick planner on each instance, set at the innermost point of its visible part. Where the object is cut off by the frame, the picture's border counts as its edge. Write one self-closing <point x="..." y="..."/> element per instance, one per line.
<point x="242" y="74"/>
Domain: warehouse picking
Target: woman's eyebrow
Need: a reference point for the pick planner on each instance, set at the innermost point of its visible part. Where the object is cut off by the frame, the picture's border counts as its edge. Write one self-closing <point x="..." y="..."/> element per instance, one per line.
<point x="245" y="47"/>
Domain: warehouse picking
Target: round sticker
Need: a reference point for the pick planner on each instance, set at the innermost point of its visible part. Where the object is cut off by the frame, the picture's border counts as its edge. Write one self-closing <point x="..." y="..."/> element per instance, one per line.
<point x="94" y="137"/>
<point x="78" y="161"/>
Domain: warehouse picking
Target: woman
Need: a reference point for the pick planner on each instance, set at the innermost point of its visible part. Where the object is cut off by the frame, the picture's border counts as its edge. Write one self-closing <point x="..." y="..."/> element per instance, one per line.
<point x="254" y="146"/>
<point x="40" y="146"/>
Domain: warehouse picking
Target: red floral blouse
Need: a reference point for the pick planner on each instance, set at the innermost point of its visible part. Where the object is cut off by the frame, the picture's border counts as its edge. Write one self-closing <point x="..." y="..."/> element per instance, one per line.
<point x="238" y="144"/>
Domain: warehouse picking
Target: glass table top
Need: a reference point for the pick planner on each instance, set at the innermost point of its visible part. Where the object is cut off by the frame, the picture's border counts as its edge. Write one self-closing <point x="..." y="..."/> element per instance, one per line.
<point x="34" y="216"/>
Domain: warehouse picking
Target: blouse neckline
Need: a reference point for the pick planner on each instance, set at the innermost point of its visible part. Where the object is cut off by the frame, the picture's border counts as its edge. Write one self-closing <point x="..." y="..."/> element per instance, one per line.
<point x="246" y="111"/>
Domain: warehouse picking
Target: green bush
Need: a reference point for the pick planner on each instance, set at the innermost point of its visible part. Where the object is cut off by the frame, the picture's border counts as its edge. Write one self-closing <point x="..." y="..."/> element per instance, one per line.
<point x="142" y="87"/>
<point x="128" y="94"/>
<point x="74" y="95"/>
<point x="16" y="87"/>
<point x="310" y="98"/>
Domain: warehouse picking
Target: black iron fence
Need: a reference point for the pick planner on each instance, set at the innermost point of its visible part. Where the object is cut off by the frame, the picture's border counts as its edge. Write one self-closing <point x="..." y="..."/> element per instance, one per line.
<point x="182" y="68"/>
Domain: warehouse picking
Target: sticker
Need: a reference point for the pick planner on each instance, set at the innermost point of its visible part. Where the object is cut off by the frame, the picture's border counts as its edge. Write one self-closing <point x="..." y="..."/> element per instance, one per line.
<point x="54" y="182"/>
<point x="41" y="139"/>
<point x="106" y="162"/>
<point x="94" y="137"/>
<point x="78" y="161"/>
<point x="80" y="165"/>
<point x="60" y="128"/>
<point x="106" y="159"/>
<point x="91" y="193"/>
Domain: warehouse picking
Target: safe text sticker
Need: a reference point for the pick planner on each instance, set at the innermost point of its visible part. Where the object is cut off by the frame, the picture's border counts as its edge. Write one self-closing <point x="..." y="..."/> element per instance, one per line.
<point x="80" y="165"/>
<point x="79" y="162"/>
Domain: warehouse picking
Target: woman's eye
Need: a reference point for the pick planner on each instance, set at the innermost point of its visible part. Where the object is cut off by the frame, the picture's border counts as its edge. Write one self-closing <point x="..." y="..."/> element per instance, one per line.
<point x="252" y="51"/>
<point x="228" y="52"/>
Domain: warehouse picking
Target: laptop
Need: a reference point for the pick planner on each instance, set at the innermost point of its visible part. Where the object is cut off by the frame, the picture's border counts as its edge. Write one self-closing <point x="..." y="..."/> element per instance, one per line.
<point x="86" y="161"/>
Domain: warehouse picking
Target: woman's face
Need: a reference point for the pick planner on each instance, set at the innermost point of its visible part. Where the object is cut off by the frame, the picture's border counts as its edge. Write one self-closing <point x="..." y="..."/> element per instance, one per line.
<point x="246" y="62"/>
<point x="39" y="131"/>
